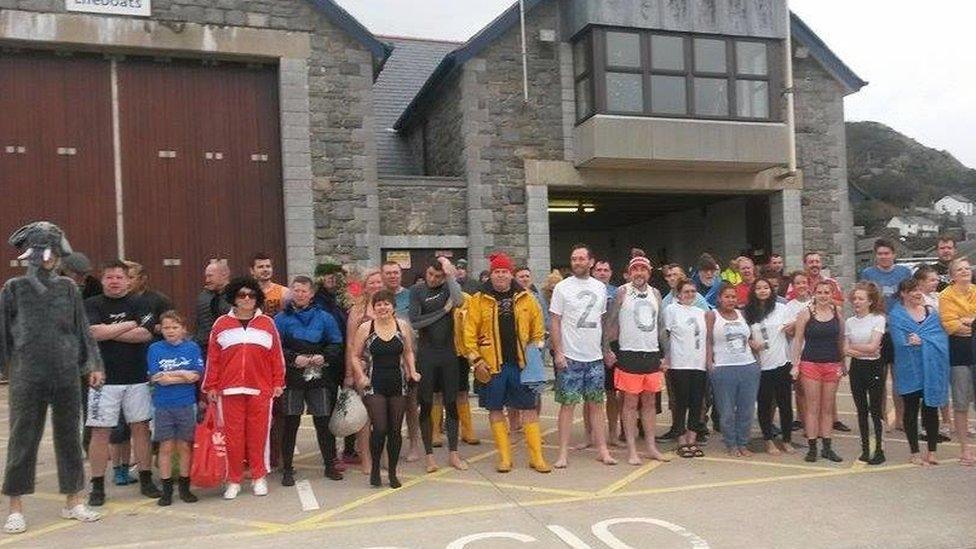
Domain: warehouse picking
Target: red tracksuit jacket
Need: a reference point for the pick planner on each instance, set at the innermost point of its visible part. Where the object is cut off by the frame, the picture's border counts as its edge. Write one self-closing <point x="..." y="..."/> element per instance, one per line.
<point x="244" y="358"/>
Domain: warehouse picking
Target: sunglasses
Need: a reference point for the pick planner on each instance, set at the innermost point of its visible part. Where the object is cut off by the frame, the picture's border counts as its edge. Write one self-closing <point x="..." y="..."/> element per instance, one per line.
<point x="246" y="295"/>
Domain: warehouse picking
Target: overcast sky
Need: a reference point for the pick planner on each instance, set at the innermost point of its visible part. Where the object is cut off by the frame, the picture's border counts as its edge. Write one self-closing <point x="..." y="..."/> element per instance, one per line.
<point x="918" y="62"/>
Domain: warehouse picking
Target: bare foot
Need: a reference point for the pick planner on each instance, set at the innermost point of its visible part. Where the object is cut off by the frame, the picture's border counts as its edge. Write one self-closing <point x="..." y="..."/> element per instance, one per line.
<point x="615" y="443"/>
<point x="656" y="455"/>
<point x="917" y="460"/>
<point x="734" y="452"/>
<point x="431" y="464"/>
<point x="607" y="459"/>
<point x="744" y="452"/>
<point x="931" y="459"/>
<point x="413" y="455"/>
<point x="458" y="463"/>
<point x="772" y="449"/>
<point x="634" y="459"/>
<point x="561" y="463"/>
<point x="788" y="448"/>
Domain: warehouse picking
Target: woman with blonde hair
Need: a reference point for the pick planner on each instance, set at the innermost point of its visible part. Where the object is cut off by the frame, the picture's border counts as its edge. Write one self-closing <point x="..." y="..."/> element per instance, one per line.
<point x="957" y="308"/>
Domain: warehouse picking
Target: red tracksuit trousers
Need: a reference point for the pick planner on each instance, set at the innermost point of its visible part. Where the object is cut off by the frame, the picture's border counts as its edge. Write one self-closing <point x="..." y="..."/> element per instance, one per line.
<point x="247" y="421"/>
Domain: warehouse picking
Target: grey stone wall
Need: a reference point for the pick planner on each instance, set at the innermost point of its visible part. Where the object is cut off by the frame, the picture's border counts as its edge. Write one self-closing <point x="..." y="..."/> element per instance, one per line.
<point x="822" y="156"/>
<point x="501" y="131"/>
<point x="444" y="143"/>
<point x="417" y="208"/>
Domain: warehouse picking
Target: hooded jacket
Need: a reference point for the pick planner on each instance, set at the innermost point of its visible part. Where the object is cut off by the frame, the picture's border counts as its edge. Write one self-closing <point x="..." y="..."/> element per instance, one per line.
<point x="482" y="337"/>
<point x="308" y="331"/>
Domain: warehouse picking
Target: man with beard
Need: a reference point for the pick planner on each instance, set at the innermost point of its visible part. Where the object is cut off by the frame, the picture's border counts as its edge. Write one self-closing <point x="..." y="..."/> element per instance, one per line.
<point x="577" y="308"/>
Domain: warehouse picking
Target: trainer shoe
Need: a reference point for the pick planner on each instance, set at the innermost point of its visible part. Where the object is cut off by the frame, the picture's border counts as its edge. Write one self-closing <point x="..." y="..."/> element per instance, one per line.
<point x="233" y="488"/>
<point x="260" y="486"/>
<point x="81" y="513"/>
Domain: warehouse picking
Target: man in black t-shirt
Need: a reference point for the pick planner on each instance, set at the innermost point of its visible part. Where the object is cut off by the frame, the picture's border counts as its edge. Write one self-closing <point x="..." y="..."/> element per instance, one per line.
<point x="122" y="325"/>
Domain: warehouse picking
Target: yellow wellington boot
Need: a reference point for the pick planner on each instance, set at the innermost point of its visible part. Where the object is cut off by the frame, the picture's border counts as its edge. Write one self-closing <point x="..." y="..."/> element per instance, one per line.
<point x="436" y="422"/>
<point x="533" y="440"/>
<point x="467" y="427"/>
<point x="500" y="432"/>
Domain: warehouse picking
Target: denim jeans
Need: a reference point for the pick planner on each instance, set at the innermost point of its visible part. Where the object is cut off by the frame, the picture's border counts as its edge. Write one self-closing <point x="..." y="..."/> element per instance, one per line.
<point x="735" y="388"/>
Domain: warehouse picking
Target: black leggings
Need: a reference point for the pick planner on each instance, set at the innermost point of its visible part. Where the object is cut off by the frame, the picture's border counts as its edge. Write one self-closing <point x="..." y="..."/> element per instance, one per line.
<point x="776" y="391"/>
<point x="386" y="416"/>
<point x="687" y="393"/>
<point x="438" y="375"/>
<point x="930" y="420"/>
<point x="867" y="387"/>
<point x="290" y="436"/>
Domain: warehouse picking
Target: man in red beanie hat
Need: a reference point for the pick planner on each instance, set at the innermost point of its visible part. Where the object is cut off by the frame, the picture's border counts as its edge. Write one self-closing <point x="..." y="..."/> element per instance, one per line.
<point x="502" y="320"/>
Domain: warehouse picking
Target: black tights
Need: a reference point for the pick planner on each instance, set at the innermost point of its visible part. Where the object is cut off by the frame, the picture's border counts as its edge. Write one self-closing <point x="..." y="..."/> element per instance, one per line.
<point x="451" y="425"/>
<point x="776" y="391"/>
<point x="290" y="436"/>
<point x="386" y="417"/>
<point x="930" y="420"/>
<point x="867" y="387"/>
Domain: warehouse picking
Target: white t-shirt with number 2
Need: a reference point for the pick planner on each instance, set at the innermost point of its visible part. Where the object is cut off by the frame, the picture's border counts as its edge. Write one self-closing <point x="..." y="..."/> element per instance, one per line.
<point x="581" y="303"/>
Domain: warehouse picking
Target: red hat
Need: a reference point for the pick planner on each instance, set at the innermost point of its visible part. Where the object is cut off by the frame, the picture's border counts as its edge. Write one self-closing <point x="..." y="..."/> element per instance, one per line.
<point x="500" y="261"/>
<point x="639" y="261"/>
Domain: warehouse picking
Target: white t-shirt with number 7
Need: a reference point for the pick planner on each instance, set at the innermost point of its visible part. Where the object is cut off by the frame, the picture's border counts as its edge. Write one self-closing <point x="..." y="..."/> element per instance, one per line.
<point x="581" y="302"/>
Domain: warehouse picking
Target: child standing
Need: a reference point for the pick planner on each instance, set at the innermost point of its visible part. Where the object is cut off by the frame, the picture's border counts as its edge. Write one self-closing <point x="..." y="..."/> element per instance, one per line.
<point x="175" y="365"/>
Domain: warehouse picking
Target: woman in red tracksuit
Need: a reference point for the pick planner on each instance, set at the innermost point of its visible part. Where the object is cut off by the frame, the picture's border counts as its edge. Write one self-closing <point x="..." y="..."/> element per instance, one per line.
<point x="245" y="372"/>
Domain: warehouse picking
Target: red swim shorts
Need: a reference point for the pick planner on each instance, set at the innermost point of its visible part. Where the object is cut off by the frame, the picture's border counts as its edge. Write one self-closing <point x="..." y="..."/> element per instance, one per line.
<point x="821" y="371"/>
<point x="636" y="384"/>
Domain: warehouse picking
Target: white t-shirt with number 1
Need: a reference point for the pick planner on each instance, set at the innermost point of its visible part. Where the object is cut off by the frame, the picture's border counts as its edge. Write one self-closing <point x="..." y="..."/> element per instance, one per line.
<point x="581" y="303"/>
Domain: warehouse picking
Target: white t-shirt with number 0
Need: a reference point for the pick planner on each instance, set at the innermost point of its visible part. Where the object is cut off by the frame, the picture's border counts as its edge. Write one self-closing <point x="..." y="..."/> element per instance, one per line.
<point x="581" y="303"/>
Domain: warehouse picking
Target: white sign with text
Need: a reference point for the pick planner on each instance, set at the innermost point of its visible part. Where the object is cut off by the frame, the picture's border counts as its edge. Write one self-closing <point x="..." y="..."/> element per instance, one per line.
<point x="141" y="8"/>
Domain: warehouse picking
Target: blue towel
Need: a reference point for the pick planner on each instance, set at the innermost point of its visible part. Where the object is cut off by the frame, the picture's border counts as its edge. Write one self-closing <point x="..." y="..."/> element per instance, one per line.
<point x="922" y="367"/>
<point x="534" y="373"/>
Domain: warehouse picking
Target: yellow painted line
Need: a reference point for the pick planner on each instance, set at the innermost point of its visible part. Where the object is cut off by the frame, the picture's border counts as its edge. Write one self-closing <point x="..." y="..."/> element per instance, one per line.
<point x="275" y="526"/>
<point x="858" y="465"/>
<point x="32" y="533"/>
<point x="110" y="509"/>
<point x="521" y="487"/>
<point x="643" y="470"/>
<point x="747" y="461"/>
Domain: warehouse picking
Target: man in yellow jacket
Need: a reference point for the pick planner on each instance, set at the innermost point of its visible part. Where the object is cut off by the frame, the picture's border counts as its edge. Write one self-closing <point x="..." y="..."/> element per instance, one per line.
<point x="502" y="319"/>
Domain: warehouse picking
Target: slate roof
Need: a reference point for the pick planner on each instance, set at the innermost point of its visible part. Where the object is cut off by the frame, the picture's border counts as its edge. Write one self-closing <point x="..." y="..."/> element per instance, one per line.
<point x="959" y="198"/>
<point x="510" y="17"/>
<point x="406" y="70"/>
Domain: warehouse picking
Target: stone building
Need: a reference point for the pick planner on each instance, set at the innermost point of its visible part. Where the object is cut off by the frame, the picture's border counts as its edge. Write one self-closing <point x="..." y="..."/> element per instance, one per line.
<point x="176" y="131"/>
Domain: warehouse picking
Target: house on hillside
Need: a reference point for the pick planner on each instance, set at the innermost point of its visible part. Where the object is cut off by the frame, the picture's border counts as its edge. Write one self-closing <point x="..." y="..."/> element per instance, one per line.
<point x="954" y="204"/>
<point x="913" y="225"/>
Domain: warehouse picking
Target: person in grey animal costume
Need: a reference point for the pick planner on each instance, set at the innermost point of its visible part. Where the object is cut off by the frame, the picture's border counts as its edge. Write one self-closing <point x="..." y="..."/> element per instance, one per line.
<point x="45" y="349"/>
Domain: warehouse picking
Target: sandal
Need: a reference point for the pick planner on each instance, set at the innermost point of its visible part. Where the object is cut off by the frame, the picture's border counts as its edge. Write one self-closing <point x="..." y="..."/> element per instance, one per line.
<point x="16" y="524"/>
<point x="685" y="451"/>
<point x="698" y="451"/>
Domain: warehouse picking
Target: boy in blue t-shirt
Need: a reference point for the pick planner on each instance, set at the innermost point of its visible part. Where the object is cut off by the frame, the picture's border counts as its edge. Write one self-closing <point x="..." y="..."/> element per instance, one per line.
<point x="175" y="365"/>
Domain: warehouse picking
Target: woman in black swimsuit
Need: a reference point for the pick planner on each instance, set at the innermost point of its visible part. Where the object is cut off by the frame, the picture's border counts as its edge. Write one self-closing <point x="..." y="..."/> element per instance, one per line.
<point x="384" y="382"/>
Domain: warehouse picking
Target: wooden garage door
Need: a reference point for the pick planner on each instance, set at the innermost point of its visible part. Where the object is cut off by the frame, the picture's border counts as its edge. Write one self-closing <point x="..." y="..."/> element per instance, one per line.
<point x="201" y="169"/>
<point x="56" y="158"/>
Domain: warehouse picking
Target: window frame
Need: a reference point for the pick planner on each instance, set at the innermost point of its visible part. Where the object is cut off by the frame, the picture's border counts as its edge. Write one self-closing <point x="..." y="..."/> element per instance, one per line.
<point x="588" y="72"/>
<point x="597" y="69"/>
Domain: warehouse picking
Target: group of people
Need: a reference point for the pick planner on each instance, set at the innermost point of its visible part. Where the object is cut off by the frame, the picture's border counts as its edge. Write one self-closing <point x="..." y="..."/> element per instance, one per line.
<point x="721" y="343"/>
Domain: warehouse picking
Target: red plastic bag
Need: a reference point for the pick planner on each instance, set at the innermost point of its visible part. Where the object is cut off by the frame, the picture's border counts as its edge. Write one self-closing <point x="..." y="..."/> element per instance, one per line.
<point x="209" y="466"/>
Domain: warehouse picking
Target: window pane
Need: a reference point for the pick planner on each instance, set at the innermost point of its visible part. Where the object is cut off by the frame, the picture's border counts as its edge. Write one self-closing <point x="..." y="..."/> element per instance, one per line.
<point x="751" y="58"/>
<point x="752" y="98"/>
<point x="668" y="52"/>
<point x="623" y="49"/>
<point x="712" y="96"/>
<point x="668" y="94"/>
<point x="709" y="55"/>
<point x="583" y="102"/>
<point x="625" y="92"/>
<point x="580" y="57"/>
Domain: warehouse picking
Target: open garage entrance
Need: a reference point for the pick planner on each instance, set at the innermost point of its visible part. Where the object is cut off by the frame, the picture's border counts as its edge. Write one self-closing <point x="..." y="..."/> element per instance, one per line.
<point x="670" y="228"/>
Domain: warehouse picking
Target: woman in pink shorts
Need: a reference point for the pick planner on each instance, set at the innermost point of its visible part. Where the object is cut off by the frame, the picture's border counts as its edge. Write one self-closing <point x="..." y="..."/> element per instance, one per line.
<point x="818" y="361"/>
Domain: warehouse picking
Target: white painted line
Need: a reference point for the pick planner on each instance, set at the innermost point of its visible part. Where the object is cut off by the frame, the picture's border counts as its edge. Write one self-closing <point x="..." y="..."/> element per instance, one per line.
<point x="460" y="543"/>
<point x="568" y="537"/>
<point x="306" y="495"/>
<point x="602" y="531"/>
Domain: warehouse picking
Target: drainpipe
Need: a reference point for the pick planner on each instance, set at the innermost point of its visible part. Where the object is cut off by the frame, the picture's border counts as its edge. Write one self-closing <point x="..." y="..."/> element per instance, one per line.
<point x="788" y="91"/>
<point x="525" y="57"/>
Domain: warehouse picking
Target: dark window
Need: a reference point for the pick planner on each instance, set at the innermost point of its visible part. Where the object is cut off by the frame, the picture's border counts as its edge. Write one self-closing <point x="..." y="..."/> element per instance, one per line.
<point x="654" y="73"/>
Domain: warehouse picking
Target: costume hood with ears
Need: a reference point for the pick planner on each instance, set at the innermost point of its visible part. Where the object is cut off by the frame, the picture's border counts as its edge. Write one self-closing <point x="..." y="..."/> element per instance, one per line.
<point x="40" y="241"/>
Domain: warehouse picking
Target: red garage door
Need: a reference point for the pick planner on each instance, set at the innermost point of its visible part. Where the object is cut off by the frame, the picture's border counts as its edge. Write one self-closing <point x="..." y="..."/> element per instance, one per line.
<point x="199" y="157"/>
<point x="56" y="160"/>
